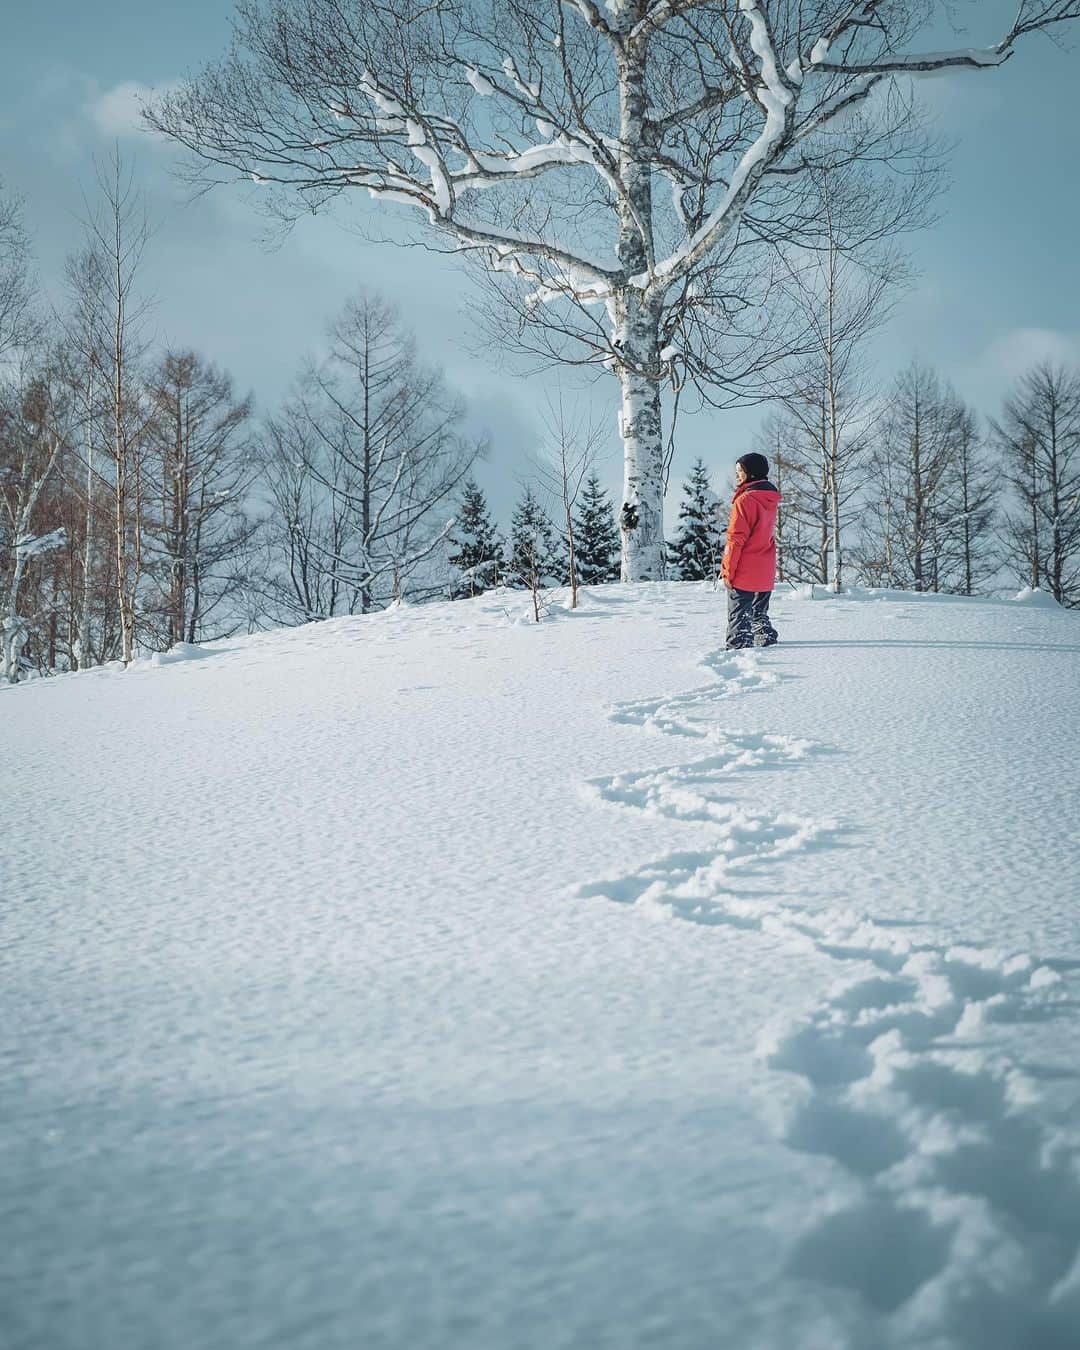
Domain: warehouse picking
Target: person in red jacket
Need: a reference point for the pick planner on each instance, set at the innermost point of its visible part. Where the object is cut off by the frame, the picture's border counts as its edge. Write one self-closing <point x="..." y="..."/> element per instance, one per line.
<point x="749" y="565"/>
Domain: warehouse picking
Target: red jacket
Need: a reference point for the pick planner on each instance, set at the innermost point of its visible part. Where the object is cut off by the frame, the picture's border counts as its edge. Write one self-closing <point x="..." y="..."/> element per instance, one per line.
<point x="750" y="554"/>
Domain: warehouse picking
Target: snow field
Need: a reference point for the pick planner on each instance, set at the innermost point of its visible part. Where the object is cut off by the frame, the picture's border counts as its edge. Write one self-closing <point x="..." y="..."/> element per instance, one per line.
<point x="960" y="1224"/>
<point x="321" y="1028"/>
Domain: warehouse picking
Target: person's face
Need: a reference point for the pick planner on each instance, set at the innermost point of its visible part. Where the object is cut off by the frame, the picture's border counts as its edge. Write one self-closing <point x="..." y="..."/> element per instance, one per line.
<point x="740" y="475"/>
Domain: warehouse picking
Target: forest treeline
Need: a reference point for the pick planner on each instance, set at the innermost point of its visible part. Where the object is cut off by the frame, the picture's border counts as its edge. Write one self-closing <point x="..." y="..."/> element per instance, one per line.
<point x="143" y="503"/>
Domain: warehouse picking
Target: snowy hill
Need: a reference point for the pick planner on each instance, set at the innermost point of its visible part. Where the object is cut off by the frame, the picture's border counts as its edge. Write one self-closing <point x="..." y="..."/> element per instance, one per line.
<point x="438" y="980"/>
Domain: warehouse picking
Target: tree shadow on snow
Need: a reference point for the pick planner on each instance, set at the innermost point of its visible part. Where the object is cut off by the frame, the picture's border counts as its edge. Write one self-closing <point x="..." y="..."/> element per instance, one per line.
<point x="1065" y="648"/>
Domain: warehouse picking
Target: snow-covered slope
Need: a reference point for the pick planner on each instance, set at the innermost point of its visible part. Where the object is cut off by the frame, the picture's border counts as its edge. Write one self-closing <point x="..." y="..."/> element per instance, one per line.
<point x="441" y="981"/>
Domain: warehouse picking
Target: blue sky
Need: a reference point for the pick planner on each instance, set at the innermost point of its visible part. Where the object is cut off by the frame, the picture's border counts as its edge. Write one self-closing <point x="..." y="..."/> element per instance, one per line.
<point x="999" y="284"/>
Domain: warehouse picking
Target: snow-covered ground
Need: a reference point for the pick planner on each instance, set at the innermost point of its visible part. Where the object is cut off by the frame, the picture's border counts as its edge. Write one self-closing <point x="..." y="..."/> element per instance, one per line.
<point x="441" y="981"/>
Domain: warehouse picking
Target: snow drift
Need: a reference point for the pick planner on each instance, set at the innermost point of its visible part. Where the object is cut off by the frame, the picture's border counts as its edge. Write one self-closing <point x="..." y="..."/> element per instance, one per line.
<point x="439" y="979"/>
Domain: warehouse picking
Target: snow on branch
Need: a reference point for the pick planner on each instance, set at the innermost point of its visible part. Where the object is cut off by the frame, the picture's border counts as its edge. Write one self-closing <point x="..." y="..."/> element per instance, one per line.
<point x="296" y="117"/>
<point x="970" y="58"/>
<point x="32" y="546"/>
<point x="590" y="12"/>
<point x="776" y="93"/>
<point x="777" y="89"/>
<point x="431" y="138"/>
<point x="1032" y="16"/>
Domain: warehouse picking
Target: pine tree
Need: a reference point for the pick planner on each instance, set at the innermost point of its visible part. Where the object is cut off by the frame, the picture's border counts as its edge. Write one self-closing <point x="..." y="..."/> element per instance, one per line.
<point x="532" y="544"/>
<point x="478" y="555"/>
<point x="596" y="539"/>
<point x="695" y="552"/>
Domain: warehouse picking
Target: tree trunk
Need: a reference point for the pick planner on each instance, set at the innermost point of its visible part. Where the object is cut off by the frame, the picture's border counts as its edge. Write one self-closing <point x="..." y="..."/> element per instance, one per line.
<point x="833" y="475"/>
<point x="365" y="505"/>
<point x="1036" y="560"/>
<point x="15" y="629"/>
<point x="123" y="597"/>
<point x="196" y="600"/>
<point x="823" y="498"/>
<point x="571" y="548"/>
<point x="85" y="653"/>
<point x="1057" y="552"/>
<point x="778" y="471"/>
<point x="637" y="340"/>
<point x="642" y="519"/>
<point x="918" y="501"/>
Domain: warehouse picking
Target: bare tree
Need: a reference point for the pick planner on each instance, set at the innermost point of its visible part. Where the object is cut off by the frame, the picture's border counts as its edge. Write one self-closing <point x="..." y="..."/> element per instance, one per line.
<point x="365" y="463"/>
<point x="821" y="451"/>
<point x="307" y="530"/>
<point x="202" y="463"/>
<point x="1039" y="437"/>
<point x="534" y="136"/>
<point x="533" y="558"/>
<point x="775" y="440"/>
<point x="572" y="444"/>
<point x="118" y="233"/>
<point x="35" y="422"/>
<point x="974" y="526"/>
<point x="19" y="323"/>
<point x="911" y="503"/>
<point x="845" y="287"/>
<point x="85" y="335"/>
<point x="531" y="546"/>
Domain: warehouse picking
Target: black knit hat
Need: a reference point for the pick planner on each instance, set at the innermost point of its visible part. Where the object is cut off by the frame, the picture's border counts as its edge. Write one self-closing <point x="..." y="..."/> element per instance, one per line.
<point x="754" y="466"/>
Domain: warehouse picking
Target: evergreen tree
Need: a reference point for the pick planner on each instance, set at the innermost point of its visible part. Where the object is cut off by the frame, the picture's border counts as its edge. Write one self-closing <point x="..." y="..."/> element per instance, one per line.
<point x="596" y="538"/>
<point x="478" y="555"/>
<point x="695" y="551"/>
<point x="532" y="544"/>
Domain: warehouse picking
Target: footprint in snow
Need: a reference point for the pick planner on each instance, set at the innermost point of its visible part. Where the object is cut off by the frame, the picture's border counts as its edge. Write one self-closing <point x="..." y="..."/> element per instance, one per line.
<point x="960" y="1221"/>
<point x="691" y="713"/>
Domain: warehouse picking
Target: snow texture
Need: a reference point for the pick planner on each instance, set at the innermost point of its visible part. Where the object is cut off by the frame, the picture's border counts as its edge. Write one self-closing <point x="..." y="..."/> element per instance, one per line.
<point x="439" y="979"/>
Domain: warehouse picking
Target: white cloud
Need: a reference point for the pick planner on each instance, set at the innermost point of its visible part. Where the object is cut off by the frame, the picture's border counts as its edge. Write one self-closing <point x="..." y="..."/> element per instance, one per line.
<point x="1017" y="351"/>
<point x="117" y="112"/>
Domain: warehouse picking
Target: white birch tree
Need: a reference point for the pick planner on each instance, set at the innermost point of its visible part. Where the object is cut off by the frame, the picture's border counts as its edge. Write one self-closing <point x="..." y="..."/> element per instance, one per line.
<point x="536" y="138"/>
<point x="573" y="440"/>
<point x="85" y="339"/>
<point x="35" y="423"/>
<point x="117" y="234"/>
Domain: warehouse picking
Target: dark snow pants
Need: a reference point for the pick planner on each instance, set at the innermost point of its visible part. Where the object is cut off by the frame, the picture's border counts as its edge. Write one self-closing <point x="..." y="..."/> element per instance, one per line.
<point x="748" y="618"/>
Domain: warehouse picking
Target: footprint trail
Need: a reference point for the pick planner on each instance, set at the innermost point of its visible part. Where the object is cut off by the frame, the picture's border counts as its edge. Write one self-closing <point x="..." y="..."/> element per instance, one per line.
<point x="955" y="1220"/>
